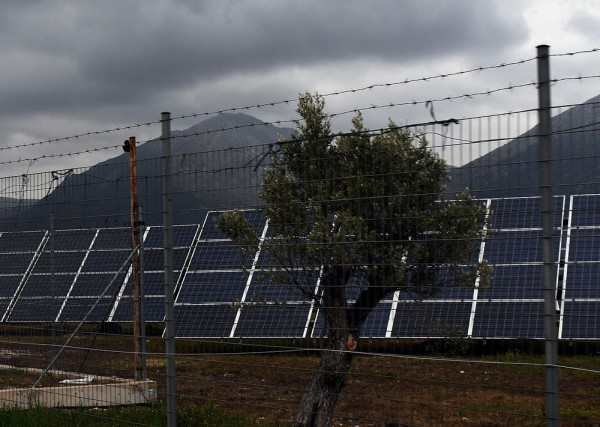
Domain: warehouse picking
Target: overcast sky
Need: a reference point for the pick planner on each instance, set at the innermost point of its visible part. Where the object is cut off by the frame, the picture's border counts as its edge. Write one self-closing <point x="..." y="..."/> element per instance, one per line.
<point x="71" y="66"/>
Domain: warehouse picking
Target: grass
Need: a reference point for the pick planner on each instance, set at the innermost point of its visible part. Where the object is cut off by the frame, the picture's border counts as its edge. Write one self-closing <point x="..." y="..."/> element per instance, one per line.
<point x="208" y="415"/>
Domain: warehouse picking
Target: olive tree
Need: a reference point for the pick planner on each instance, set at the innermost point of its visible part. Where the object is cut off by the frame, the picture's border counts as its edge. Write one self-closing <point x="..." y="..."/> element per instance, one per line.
<point x="358" y="207"/>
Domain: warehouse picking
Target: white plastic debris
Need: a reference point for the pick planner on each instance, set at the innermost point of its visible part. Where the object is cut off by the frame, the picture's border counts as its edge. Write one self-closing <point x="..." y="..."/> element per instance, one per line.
<point x="85" y="380"/>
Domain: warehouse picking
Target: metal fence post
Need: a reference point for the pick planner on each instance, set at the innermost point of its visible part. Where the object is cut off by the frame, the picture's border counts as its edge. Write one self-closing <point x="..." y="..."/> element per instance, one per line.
<point x="167" y="199"/>
<point x="549" y="277"/>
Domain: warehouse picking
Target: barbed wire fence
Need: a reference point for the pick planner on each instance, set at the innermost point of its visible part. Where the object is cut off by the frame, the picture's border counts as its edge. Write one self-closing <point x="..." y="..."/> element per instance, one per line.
<point x="462" y="356"/>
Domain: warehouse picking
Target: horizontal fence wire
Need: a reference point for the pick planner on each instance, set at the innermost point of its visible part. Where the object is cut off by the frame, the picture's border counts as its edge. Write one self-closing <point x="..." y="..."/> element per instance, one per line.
<point x="267" y="221"/>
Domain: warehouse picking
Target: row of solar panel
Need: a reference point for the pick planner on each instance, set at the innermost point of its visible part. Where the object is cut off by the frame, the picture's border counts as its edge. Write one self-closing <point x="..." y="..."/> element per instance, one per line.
<point x="60" y="277"/>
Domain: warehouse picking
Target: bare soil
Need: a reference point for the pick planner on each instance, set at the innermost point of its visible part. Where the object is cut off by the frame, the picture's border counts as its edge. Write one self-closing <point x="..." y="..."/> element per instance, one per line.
<point x="382" y="390"/>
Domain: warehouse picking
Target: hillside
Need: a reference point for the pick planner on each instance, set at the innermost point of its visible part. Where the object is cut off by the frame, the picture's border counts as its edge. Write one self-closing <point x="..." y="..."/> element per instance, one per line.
<point x="512" y="169"/>
<point x="210" y="168"/>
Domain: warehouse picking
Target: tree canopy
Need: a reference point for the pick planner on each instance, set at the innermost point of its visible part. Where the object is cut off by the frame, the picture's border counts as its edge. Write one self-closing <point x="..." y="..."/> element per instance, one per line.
<point x="363" y="211"/>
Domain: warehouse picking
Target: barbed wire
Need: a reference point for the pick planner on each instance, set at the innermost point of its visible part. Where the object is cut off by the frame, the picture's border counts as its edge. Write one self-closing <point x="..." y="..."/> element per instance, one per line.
<point x="294" y="100"/>
<point x="427" y="103"/>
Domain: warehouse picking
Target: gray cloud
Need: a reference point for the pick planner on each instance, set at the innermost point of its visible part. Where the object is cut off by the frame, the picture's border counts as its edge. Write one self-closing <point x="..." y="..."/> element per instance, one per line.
<point x="98" y="65"/>
<point x="67" y="54"/>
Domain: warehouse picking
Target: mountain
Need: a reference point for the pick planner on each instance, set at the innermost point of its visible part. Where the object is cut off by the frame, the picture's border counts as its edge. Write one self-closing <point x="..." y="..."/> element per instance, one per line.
<point x="212" y="169"/>
<point x="512" y="170"/>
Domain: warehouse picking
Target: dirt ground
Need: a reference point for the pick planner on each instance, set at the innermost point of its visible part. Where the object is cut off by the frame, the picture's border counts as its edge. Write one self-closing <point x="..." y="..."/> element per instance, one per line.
<point x="382" y="390"/>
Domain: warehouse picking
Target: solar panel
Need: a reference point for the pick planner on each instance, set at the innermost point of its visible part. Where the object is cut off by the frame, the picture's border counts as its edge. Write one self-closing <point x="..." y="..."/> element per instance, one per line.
<point x="585" y="244"/>
<point x="209" y="230"/>
<point x="105" y="260"/>
<point x="204" y="321"/>
<point x="28" y="241"/>
<point x="522" y="212"/>
<point x="514" y="282"/>
<point x="283" y="321"/>
<point x="38" y="285"/>
<point x="431" y="319"/>
<point x="83" y="262"/>
<point x="41" y="309"/>
<point x="70" y="240"/>
<point x="272" y="288"/>
<point x="15" y="263"/>
<point x="152" y="287"/>
<point x="9" y="284"/>
<point x="113" y="238"/>
<point x="59" y="262"/>
<point x="444" y="285"/>
<point x="153" y="284"/>
<point x="218" y="256"/>
<point x="154" y="309"/>
<point x="514" y="247"/>
<point x="509" y="319"/>
<point x="585" y="210"/>
<point x="214" y="286"/>
<point x="77" y="307"/>
<point x="94" y="284"/>
<point x="374" y="326"/>
<point x="183" y="236"/>
<point x="582" y="281"/>
<point x="581" y="320"/>
<point x="154" y="259"/>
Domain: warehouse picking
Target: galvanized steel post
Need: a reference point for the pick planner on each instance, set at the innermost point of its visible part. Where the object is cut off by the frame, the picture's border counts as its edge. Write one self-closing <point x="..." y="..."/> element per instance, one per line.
<point x="549" y="257"/>
<point x="167" y="199"/>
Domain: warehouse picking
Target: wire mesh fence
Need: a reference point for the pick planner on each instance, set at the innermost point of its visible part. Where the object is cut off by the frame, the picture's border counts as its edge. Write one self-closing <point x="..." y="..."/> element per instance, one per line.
<point x="301" y="251"/>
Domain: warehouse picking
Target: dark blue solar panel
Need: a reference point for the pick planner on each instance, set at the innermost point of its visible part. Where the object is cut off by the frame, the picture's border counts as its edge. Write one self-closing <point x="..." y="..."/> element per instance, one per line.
<point x="35" y="310"/>
<point x="59" y="262"/>
<point x="515" y="282"/>
<point x="355" y="286"/>
<point x="443" y="283"/>
<point x="276" y="288"/>
<point x="9" y="284"/>
<point x="198" y="321"/>
<point x="375" y="325"/>
<point x="287" y="320"/>
<point x="15" y="263"/>
<point x="377" y="321"/>
<point x="582" y="281"/>
<point x="515" y="247"/>
<point x="47" y="285"/>
<point x="209" y="231"/>
<point x="586" y="211"/>
<point x="21" y="242"/>
<point x="509" y="319"/>
<point x="581" y="320"/>
<point x="431" y="319"/>
<point x="219" y="256"/>
<point x="585" y="244"/>
<point x="99" y="261"/>
<point x="113" y="238"/>
<point x="153" y="284"/>
<point x="154" y="259"/>
<point x="154" y="309"/>
<point x="92" y="285"/>
<point x="76" y="308"/>
<point x="3" y="306"/>
<point x="70" y="240"/>
<point x="522" y="212"/>
<point x="213" y="287"/>
<point x="183" y="235"/>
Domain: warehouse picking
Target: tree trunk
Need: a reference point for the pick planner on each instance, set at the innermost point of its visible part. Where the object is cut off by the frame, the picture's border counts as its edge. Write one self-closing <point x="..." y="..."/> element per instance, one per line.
<point x="319" y="400"/>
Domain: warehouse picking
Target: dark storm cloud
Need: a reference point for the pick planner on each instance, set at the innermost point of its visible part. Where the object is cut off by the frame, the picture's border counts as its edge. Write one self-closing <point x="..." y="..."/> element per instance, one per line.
<point x="65" y="56"/>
